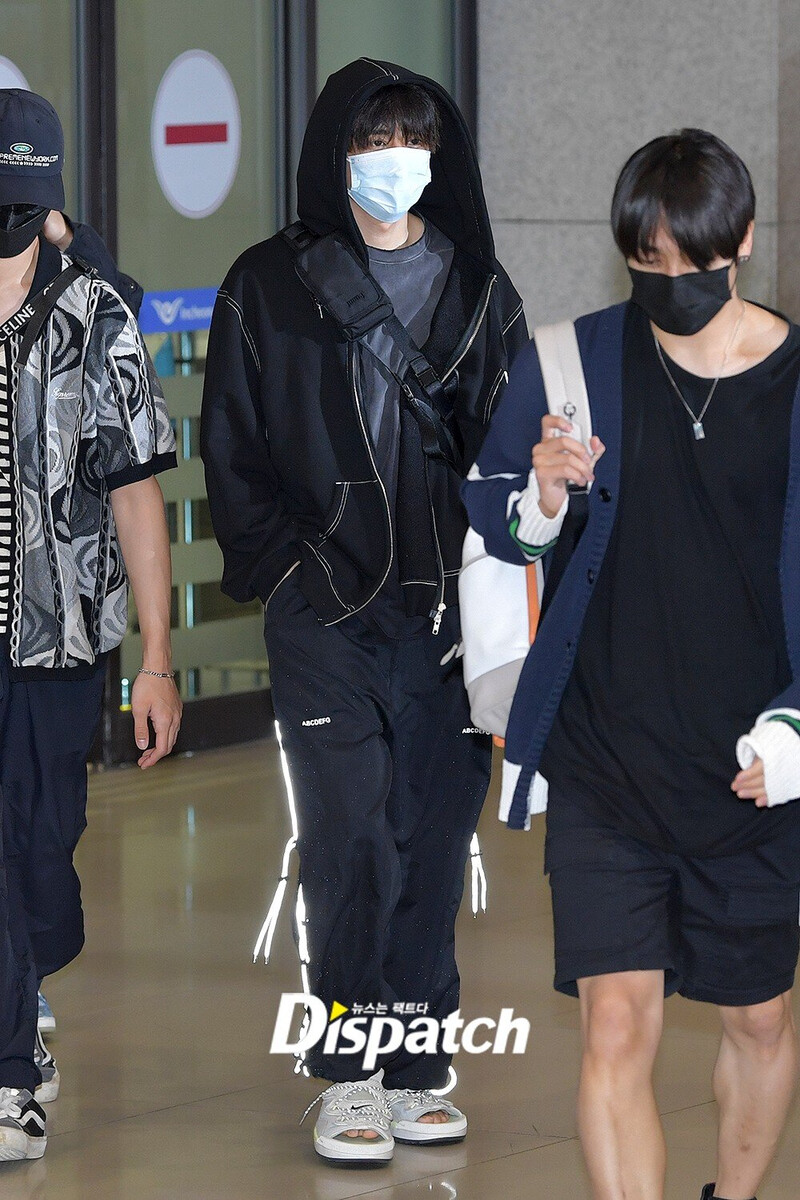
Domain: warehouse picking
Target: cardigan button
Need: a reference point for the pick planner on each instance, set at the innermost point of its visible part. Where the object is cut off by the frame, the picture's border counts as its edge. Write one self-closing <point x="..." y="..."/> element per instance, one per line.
<point x="590" y="575"/>
<point x="605" y="495"/>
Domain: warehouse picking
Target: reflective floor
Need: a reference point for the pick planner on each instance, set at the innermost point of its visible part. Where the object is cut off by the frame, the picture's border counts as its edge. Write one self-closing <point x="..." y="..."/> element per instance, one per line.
<point x="164" y="1022"/>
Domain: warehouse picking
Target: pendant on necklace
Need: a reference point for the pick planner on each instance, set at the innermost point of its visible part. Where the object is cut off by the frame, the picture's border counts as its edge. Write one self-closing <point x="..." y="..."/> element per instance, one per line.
<point x="699" y="432"/>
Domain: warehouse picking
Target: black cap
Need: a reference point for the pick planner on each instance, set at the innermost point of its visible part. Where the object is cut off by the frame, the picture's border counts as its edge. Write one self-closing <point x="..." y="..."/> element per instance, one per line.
<point x="31" y="150"/>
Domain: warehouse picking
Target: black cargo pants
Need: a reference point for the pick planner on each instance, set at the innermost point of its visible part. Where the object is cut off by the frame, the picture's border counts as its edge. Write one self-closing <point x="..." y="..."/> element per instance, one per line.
<point x="46" y="732"/>
<point x="389" y="780"/>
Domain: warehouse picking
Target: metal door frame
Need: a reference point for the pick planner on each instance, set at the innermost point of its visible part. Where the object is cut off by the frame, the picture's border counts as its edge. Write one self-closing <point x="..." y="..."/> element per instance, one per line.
<point x="223" y="720"/>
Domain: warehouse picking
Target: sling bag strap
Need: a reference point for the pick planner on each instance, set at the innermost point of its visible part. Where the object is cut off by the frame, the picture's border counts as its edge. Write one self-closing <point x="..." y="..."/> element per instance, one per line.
<point x="426" y="397"/>
<point x="16" y="322"/>
<point x="565" y="386"/>
<point x="437" y="440"/>
<point x="340" y="283"/>
<point x="43" y="304"/>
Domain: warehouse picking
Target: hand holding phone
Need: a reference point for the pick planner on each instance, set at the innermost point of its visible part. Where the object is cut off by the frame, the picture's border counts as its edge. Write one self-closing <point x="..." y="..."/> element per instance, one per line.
<point x="576" y="433"/>
<point x="564" y="466"/>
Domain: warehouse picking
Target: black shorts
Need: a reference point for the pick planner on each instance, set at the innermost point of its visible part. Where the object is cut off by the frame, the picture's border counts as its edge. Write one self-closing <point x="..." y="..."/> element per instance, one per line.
<point x="724" y="930"/>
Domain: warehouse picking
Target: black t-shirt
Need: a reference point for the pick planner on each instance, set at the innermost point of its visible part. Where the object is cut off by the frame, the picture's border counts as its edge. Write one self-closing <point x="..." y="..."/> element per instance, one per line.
<point x="683" y="643"/>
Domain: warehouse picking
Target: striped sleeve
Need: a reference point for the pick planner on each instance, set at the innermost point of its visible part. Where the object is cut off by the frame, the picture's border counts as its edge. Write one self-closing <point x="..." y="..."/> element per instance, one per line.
<point x="500" y="491"/>
<point x="530" y="529"/>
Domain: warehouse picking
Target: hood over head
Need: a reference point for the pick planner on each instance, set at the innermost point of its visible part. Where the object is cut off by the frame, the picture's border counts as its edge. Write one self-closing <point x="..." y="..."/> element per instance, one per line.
<point x="453" y="201"/>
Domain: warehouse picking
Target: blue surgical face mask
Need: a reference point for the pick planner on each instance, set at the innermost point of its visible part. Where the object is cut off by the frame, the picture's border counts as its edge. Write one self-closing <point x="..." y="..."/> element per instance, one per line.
<point x="387" y="183"/>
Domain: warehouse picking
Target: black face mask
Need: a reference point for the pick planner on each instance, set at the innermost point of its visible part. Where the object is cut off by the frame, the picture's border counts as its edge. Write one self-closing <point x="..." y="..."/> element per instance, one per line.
<point x="681" y="304"/>
<point x="20" y="225"/>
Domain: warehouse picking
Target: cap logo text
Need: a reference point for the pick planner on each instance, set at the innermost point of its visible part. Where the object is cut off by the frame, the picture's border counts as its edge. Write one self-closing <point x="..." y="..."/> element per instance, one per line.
<point x="21" y="148"/>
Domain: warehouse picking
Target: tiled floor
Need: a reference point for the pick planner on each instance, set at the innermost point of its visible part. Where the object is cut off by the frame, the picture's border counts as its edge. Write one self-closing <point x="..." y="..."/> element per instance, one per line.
<point x="168" y="1092"/>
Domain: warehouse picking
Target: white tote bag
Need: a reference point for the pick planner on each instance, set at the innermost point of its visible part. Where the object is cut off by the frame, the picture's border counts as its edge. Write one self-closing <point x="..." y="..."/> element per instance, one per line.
<point x="499" y="601"/>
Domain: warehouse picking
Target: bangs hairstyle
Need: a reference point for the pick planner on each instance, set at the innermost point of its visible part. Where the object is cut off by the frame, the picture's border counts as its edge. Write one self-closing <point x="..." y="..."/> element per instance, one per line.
<point x="405" y="107"/>
<point x="693" y="185"/>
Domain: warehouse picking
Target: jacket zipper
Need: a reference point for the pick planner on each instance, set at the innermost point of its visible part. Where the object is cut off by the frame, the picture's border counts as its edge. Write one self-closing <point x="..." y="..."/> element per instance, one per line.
<point x="472" y="331"/>
<point x="438" y="612"/>
<point x="462" y="349"/>
<point x="353" y="371"/>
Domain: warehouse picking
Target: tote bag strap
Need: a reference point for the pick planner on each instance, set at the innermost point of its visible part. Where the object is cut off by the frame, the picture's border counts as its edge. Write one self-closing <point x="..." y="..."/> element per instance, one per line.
<point x="562" y="372"/>
<point x="565" y="385"/>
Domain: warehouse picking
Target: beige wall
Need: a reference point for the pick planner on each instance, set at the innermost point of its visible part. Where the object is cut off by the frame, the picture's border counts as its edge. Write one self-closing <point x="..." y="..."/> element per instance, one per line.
<point x="789" y="158"/>
<point x="568" y="90"/>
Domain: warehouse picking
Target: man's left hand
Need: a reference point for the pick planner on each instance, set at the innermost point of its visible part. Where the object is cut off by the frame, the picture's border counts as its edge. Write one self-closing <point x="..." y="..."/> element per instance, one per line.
<point x="750" y="784"/>
<point x="158" y="700"/>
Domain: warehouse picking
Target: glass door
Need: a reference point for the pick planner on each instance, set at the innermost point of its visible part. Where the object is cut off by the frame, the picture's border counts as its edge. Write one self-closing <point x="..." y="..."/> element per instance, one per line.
<point x="196" y="186"/>
<point x="37" y="51"/>
<point x="206" y="110"/>
<point x="417" y="34"/>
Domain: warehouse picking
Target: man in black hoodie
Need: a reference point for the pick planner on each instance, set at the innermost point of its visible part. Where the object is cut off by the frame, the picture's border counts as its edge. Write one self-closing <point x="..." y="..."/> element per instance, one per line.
<point x="334" y="452"/>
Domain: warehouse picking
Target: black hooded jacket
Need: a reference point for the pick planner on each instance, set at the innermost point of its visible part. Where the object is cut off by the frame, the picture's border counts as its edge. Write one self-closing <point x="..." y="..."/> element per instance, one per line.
<point x="290" y="469"/>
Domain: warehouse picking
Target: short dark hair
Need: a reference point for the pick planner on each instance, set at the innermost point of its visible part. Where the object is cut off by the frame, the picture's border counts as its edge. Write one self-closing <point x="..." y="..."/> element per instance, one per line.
<point x="692" y="184"/>
<point x="406" y="107"/>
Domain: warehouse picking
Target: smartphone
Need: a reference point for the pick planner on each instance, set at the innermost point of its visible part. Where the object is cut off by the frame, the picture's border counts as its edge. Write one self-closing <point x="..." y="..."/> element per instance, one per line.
<point x="576" y="432"/>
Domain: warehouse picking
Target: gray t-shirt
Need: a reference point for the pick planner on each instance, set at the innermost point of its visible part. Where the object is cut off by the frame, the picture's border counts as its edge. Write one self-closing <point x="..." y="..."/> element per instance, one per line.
<point x="413" y="279"/>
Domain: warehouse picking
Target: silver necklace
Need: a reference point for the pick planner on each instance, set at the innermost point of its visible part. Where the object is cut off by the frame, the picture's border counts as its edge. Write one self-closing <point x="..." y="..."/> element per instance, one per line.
<point x="697" y="419"/>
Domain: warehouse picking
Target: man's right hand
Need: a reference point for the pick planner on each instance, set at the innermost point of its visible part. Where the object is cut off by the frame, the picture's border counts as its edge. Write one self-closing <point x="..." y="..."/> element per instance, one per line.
<point x="558" y="460"/>
<point x="58" y="230"/>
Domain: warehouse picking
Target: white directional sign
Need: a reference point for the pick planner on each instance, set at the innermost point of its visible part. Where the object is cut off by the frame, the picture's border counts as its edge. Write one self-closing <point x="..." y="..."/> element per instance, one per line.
<point x="11" y="76"/>
<point x="195" y="133"/>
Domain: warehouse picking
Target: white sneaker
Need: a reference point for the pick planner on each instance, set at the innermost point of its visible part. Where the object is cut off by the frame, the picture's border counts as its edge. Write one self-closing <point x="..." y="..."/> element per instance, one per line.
<point x="22" y="1125"/>
<point x="47" y="1091"/>
<point x="407" y="1106"/>
<point x="349" y="1106"/>
<point x="45" y="1019"/>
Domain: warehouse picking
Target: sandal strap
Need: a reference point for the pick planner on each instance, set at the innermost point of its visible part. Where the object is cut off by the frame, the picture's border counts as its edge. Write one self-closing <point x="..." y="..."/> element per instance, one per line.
<point x="339" y="1093"/>
<point x="422" y="1102"/>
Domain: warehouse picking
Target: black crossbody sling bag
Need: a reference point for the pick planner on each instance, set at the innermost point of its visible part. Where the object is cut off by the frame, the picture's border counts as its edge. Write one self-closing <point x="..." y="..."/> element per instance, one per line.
<point x="341" y="285"/>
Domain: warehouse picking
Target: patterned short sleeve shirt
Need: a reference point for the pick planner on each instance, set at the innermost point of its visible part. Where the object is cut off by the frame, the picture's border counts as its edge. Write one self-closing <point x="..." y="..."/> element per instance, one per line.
<point x="87" y="416"/>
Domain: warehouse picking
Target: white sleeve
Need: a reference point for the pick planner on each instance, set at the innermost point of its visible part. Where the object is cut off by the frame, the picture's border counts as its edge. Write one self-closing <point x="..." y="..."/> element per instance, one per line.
<point x="775" y="739"/>
<point x="533" y="531"/>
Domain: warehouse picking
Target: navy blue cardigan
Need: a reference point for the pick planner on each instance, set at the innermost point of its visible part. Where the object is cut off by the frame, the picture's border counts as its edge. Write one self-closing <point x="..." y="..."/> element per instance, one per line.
<point x="503" y="465"/>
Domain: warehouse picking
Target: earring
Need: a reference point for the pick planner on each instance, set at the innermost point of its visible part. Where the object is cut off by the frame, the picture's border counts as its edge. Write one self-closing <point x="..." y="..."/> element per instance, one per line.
<point x="744" y="258"/>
